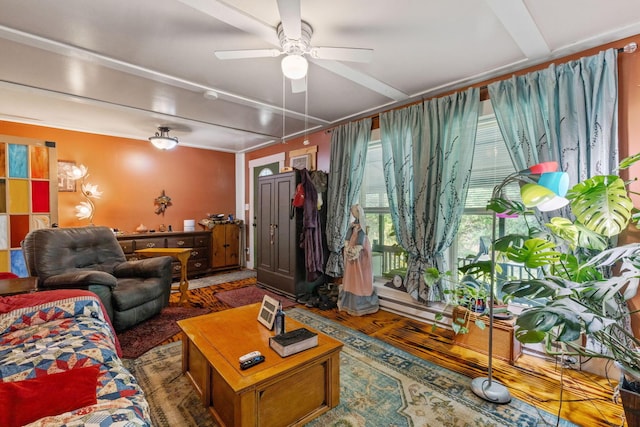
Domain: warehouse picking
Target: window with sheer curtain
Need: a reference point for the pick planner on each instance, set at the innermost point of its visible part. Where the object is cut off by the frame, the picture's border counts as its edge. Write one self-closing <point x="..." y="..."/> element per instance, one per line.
<point x="373" y="199"/>
<point x="491" y="165"/>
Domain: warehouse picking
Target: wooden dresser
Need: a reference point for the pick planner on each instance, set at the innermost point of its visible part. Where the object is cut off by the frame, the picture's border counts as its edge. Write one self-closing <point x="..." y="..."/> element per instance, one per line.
<point x="199" y="241"/>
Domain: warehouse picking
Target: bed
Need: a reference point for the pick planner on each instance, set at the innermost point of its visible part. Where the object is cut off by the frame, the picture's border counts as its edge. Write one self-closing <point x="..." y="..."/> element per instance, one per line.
<point x="60" y="364"/>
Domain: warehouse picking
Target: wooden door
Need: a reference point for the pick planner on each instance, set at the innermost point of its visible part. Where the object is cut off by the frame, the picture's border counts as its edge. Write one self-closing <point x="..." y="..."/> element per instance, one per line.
<point x="277" y="247"/>
<point x="285" y="231"/>
<point x="264" y="224"/>
<point x="268" y="169"/>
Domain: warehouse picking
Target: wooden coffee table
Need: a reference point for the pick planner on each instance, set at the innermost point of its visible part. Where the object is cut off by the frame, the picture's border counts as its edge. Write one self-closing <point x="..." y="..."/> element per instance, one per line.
<point x="278" y="392"/>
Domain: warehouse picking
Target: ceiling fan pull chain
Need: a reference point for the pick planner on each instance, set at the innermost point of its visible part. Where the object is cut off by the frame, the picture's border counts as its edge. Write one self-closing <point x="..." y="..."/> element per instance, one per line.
<point x="305" y="141"/>
<point x="283" y="109"/>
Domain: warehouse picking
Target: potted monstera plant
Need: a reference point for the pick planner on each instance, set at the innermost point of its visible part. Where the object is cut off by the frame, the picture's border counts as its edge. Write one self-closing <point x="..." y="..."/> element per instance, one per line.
<point x="580" y="280"/>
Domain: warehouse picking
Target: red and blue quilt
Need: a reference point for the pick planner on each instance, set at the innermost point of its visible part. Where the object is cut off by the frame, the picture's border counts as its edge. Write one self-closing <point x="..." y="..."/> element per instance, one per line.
<point x="62" y="331"/>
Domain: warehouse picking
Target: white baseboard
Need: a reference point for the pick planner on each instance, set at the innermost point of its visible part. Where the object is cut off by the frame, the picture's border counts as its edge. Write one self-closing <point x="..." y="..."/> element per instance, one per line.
<point x="400" y="302"/>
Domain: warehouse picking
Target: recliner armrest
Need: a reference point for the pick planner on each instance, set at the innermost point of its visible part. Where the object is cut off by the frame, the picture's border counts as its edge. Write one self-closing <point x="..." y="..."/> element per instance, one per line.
<point x="79" y="279"/>
<point x="148" y="267"/>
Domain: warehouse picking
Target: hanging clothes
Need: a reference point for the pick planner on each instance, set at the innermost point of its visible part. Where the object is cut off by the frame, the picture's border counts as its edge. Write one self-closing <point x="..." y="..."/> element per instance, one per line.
<point x="311" y="237"/>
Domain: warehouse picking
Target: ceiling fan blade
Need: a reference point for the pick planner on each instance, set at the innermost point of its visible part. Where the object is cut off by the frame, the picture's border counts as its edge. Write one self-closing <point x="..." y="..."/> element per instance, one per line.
<point x="299" y="85"/>
<point x="291" y="18"/>
<point x="247" y="53"/>
<point x="220" y="10"/>
<point x="342" y="54"/>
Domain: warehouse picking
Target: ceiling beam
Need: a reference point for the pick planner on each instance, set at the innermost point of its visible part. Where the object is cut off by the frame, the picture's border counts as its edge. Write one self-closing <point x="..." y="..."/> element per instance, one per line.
<point x="516" y="19"/>
<point x="146" y="73"/>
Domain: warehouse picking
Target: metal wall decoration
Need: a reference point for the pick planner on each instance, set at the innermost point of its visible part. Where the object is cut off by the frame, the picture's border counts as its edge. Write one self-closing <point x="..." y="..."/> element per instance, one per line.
<point x="162" y="203"/>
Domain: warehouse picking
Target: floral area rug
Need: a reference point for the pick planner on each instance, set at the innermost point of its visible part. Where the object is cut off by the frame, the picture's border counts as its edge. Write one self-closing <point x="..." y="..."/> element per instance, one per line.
<point x="380" y="386"/>
<point x="150" y="333"/>
<point x="172" y="399"/>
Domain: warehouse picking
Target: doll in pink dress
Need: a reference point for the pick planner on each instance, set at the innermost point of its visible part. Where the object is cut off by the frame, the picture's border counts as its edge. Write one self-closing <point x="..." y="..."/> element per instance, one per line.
<point x="357" y="295"/>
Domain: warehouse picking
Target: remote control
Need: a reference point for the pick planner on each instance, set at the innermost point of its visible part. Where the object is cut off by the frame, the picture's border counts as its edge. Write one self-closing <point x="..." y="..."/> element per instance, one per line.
<point x="251" y="362"/>
<point x="249" y="356"/>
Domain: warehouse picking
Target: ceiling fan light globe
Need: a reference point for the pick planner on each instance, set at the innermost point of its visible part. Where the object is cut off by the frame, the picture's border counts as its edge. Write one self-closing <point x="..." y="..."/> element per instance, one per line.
<point x="294" y="66"/>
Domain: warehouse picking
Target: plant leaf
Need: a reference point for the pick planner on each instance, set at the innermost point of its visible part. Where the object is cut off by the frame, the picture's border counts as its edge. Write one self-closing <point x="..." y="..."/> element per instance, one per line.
<point x="480" y="324"/>
<point x="503" y="244"/>
<point x="534" y="253"/>
<point x="565" y="229"/>
<point x="534" y="288"/>
<point x="506" y="206"/>
<point x="601" y="204"/>
<point x="570" y="268"/>
<point x="628" y="161"/>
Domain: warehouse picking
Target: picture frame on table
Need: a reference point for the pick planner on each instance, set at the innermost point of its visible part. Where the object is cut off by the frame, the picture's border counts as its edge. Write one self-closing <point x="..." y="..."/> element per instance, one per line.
<point x="267" y="312"/>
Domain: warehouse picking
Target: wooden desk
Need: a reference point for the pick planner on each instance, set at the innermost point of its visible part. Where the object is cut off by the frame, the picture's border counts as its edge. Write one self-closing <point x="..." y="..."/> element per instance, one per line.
<point x="182" y="254"/>
<point x="281" y="391"/>
<point x="20" y="285"/>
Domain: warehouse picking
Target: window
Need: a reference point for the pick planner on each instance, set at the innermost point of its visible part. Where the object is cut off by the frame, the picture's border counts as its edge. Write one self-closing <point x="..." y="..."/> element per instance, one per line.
<point x="387" y="255"/>
<point x="491" y="165"/>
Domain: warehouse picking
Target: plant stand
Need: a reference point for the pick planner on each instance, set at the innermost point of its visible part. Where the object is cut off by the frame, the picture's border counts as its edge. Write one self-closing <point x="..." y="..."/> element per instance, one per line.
<point x="505" y="345"/>
<point x="631" y="405"/>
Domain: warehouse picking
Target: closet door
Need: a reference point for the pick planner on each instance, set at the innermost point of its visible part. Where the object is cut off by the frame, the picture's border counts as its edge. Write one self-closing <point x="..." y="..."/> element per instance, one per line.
<point x="264" y="224"/>
<point x="277" y="243"/>
<point x="285" y="227"/>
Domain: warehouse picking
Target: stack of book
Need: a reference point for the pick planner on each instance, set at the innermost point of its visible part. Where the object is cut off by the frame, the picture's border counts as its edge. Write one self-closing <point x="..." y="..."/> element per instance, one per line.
<point x="293" y="341"/>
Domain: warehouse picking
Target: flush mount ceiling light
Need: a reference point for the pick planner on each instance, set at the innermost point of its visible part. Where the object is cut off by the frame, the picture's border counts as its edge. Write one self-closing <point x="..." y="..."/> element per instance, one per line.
<point x="294" y="67"/>
<point x="162" y="140"/>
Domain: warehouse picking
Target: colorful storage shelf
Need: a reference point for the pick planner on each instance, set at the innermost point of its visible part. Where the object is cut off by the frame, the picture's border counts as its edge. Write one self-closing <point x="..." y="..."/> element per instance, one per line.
<point x="28" y="195"/>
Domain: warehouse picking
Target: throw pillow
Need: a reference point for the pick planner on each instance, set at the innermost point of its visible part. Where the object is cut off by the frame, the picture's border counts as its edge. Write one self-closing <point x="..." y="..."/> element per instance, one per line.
<point x="22" y="402"/>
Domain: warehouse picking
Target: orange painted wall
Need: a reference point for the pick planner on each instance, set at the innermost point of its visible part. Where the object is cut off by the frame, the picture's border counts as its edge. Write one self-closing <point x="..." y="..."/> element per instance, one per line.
<point x="132" y="173"/>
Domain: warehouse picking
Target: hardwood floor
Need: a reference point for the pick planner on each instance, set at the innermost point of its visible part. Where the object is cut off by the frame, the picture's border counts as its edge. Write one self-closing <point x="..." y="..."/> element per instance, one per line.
<point x="584" y="399"/>
<point x="587" y="399"/>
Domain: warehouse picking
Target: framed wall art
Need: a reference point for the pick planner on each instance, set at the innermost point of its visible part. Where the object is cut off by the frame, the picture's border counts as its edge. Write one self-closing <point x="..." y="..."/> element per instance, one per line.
<point x="303" y="158"/>
<point x="65" y="182"/>
<point x="300" y="162"/>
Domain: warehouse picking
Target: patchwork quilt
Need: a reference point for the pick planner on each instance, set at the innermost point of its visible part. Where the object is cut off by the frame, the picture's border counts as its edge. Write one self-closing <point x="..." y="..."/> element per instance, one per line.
<point x="63" y="333"/>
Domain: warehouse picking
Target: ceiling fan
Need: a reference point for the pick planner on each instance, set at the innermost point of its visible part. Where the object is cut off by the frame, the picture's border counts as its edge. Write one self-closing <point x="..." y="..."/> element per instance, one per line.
<point x="294" y="35"/>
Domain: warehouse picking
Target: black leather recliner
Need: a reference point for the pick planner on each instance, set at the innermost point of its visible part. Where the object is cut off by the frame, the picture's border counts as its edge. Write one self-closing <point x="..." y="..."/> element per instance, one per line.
<point x="91" y="258"/>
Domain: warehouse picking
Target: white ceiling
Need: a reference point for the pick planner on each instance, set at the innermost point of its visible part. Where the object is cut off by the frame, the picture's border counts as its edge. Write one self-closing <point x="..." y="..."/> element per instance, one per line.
<point x="123" y="67"/>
